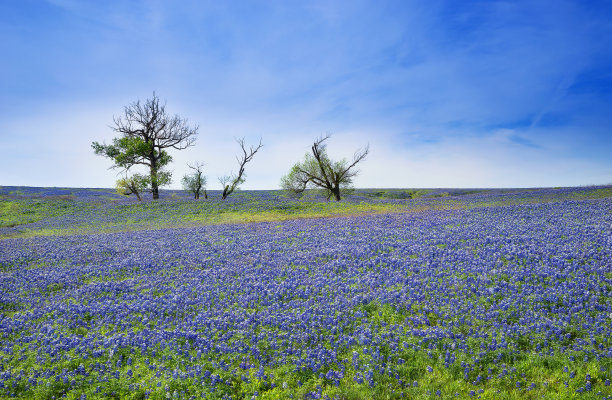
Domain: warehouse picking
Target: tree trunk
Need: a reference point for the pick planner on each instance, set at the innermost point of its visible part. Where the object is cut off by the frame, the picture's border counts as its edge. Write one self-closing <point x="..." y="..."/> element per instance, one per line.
<point x="205" y="195"/>
<point x="336" y="192"/>
<point x="154" y="188"/>
<point x="154" y="185"/>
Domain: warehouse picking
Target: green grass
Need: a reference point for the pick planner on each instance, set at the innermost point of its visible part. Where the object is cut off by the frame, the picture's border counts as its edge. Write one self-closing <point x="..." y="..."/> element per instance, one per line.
<point x="111" y="215"/>
<point x="394" y="193"/>
<point x="96" y="218"/>
<point x="422" y="365"/>
<point x="521" y="362"/>
<point x="595" y="193"/>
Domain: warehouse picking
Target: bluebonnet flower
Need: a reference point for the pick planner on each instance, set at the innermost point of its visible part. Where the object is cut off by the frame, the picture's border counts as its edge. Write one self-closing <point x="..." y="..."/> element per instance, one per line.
<point x="200" y="302"/>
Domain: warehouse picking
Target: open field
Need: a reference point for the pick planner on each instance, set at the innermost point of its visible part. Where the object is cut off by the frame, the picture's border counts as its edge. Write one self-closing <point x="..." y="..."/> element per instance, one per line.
<point x="491" y="294"/>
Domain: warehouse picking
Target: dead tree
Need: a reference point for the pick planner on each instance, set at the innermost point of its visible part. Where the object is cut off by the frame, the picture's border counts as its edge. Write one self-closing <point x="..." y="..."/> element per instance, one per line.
<point x="231" y="182"/>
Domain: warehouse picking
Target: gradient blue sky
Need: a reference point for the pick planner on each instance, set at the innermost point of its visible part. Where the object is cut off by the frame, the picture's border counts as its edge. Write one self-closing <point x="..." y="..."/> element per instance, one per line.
<point x="447" y="93"/>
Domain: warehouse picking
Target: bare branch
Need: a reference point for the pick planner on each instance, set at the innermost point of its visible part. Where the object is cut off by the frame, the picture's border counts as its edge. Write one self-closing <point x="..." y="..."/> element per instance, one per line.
<point x="146" y="130"/>
<point x="196" y="181"/>
<point x="319" y="171"/>
<point x="359" y="156"/>
<point x="224" y="180"/>
<point x="197" y="166"/>
<point x="230" y="183"/>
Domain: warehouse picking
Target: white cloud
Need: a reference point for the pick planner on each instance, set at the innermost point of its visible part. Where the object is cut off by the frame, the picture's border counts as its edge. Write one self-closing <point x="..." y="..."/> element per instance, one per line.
<point x="58" y="142"/>
<point x="492" y="161"/>
<point x="438" y="91"/>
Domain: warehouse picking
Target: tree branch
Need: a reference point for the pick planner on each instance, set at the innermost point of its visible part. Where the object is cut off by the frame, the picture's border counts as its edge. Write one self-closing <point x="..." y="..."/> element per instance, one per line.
<point x="230" y="183"/>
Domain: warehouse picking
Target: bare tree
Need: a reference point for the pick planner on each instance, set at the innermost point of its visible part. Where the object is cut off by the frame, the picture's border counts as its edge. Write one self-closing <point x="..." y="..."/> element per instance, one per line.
<point x="196" y="181"/>
<point x="318" y="170"/>
<point x="231" y="182"/>
<point x="146" y="131"/>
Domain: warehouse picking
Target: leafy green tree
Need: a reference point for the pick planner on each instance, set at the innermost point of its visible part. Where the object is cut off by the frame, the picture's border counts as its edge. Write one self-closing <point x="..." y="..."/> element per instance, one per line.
<point x="319" y="171"/>
<point x="146" y="132"/>
<point x="135" y="184"/>
<point x="196" y="181"/>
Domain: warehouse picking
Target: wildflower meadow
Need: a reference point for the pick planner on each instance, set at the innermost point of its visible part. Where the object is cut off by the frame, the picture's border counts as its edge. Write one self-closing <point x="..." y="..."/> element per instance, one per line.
<point x="389" y="294"/>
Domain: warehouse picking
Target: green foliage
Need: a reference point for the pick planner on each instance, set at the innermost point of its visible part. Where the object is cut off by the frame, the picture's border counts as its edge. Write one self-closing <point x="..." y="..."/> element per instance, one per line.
<point x="293" y="181"/>
<point x="138" y="183"/>
<point x="319" y="171"/>
<point x="194" y="183"/>
<point x="134" y="184"/>
<point x="300" y="175"/>
<point x="396" y="194"/>
<point x="162" y="178"/>
<point x="231" y="183"/>
<point x="127" y="151"/>
<point x="146" y="131"/>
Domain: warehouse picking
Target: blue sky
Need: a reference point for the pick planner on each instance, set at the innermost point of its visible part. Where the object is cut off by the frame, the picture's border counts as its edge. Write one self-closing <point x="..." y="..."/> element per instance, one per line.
<point x="446" y="93"/>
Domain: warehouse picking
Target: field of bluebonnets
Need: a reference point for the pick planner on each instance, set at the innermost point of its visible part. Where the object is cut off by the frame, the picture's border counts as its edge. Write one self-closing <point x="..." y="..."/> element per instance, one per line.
<point x="389" y="294"/>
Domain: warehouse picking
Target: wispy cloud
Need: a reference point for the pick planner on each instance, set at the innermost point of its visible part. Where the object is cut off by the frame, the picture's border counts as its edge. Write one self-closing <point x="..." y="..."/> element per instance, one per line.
<point x="418" y="81"/>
